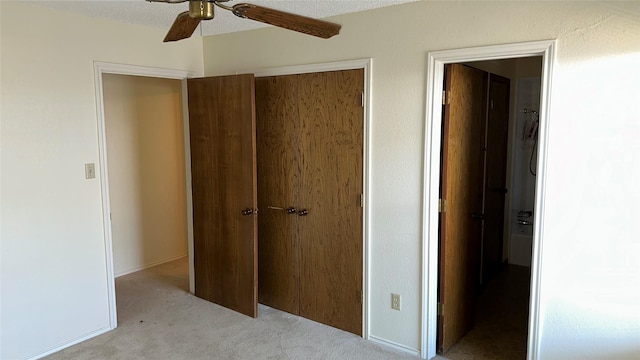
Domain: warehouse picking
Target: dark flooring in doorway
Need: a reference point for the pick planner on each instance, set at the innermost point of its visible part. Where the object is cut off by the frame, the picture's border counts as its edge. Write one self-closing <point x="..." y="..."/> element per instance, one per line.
<point x="501" y="325"/>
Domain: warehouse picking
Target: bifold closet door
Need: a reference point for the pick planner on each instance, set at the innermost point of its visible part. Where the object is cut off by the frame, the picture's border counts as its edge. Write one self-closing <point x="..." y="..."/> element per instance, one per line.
<point x="331" y="125"/>
<point x="278" y="186"/>
<point x="310" y="151"/>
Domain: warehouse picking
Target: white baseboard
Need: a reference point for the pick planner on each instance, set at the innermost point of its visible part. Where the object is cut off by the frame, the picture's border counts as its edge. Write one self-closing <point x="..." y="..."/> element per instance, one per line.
<point x="146" y="266"/>
<point x="71" y="343"/>
<point x="394" y="345"/>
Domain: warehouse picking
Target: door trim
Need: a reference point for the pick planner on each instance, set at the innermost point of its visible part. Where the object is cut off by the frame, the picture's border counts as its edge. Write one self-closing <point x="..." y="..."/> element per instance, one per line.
<point x="101" y="68"/>
<point x="366" y="65"/>
<point x="435" y="75"/>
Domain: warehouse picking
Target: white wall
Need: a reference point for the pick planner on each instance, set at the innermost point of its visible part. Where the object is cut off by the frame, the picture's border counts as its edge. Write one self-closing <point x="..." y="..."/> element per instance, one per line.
<point x="145" y="154"/>
<point x="590" y="253"/>
<point x="53" y="271"/>
<point x="52" y="241"/>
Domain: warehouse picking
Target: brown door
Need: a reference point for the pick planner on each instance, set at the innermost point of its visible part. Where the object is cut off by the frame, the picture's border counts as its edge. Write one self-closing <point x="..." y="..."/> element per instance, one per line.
<point x="496" y="173"/>
<point x="223" y="170"/>
<point x="278" y="187"/>
<point x="310" y="151"/>
<point x="461" y="187"/>
<point x="331" y="116"/>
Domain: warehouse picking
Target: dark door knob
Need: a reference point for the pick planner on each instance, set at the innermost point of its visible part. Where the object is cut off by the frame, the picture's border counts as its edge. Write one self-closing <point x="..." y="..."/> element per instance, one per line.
<point x="247" y="212"/>
<point x="303" y="212"/>
<point x="477" y="216"/>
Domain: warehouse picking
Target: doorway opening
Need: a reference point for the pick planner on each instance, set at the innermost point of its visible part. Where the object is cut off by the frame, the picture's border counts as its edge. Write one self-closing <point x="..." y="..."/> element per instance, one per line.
<point x="489" y="138"/>
<point x="145" y="148"/>
<point x="146" y="200"/>
<point x="433" y="310"/>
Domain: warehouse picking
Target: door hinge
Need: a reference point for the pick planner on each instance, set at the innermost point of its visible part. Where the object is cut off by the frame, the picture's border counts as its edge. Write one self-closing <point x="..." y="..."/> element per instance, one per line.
<point x="442" y="205"/>
<point x="446" y="97"/>
<point x="362" y="99"/>
<point x="361" y="200"/>
<point x="440" y="309"/>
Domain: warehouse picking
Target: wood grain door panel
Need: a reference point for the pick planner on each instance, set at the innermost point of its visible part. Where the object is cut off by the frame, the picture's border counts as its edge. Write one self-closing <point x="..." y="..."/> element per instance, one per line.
<point x="223" y="149"/>
<point x="310" y="151"/>
<point x="331" y="116"/>
<point x="461" y="182"/>
<point x="278" y="188"/>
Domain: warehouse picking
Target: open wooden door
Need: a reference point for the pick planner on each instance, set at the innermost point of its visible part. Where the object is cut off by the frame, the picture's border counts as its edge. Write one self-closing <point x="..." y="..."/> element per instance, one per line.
<point x="461" y="187"/>
<point x="223" y="168"/>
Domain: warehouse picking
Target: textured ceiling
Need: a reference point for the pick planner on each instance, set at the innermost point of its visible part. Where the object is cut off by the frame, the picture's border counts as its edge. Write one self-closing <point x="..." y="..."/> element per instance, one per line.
<point x="161" y="15"/>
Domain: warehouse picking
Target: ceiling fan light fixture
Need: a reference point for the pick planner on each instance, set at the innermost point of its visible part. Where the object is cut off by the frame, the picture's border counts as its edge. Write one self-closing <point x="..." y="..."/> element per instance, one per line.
<point x="186" y="22"/>
<point x="202" y="10"/>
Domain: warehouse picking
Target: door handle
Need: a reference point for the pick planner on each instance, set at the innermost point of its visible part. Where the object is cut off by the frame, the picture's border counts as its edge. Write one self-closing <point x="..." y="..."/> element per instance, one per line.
<point x="247" y="212"/>
<point x="303" y="212"/>
<point x="477" y="216"/>
<point x="289" y="210"/>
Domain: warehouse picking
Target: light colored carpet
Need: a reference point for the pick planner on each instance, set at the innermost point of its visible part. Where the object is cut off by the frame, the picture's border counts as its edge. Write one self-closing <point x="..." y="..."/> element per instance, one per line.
<point x="159" y="319"/>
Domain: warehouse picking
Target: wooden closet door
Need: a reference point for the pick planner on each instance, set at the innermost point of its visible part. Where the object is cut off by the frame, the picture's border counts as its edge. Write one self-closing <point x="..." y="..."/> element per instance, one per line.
<point x="223" y="176"/>
<point x="278" y="186"/>
<point x="331" y="124"/>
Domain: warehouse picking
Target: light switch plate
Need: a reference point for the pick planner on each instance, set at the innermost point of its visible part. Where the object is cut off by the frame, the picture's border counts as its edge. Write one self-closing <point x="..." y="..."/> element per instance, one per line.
<point x="90" y="171"/>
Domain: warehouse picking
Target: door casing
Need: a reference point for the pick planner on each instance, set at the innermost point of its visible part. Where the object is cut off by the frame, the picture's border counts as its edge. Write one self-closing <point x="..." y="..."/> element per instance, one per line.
<point x="101" y="68"/>
<point x="432" y="147"/>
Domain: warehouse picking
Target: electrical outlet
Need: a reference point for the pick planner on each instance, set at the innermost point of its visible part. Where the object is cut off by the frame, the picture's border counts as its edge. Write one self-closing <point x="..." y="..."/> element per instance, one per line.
<point x="395" y="301"/>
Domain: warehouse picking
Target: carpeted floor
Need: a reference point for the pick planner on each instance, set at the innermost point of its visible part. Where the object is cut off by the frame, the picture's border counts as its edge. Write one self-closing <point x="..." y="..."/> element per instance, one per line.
<point x="159" y="319"/>
<point x="500" y="331"/>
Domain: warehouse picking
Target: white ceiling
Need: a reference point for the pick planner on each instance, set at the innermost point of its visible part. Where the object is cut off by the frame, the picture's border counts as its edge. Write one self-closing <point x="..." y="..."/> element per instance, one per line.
<point x="161" y="15"/>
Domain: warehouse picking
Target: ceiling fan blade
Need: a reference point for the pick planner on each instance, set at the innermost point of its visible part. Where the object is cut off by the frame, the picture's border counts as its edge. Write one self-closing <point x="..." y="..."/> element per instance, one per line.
<point x="182" y="27"/>
<point x="299" y="23"/>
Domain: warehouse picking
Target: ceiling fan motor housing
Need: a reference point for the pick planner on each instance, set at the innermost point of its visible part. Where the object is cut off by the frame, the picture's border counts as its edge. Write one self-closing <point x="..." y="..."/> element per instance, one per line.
<point x="202" y="10"/>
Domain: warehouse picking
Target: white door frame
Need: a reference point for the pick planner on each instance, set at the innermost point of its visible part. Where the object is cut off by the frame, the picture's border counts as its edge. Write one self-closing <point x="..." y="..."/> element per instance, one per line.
<point x="435" y="78"/>
<point x="366" y="65"/>
<point x="101" y="68"/>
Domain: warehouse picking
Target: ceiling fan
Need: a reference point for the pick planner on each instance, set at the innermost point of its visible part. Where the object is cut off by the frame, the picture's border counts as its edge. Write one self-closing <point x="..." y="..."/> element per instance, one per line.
<point x="187" y="22"/>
